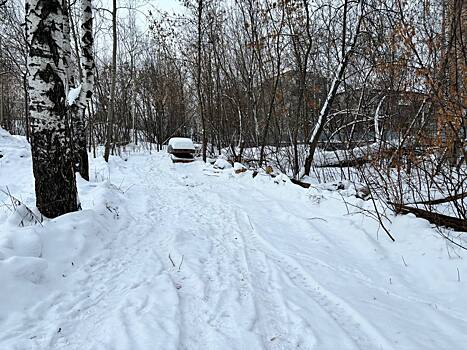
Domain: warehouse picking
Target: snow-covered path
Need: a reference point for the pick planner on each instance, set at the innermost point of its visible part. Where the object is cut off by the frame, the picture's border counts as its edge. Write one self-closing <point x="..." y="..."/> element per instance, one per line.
<point x="254" y="264"/>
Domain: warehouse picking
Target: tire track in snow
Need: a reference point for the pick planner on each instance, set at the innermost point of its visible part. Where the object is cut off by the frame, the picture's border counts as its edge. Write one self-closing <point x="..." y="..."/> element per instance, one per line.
<point x="363" y="334"/>
<point x="235" y="297"/>
<point x="240" y="294"/>
<point x="263" y="265"/>
<point x="272" y="315"/>
<point x="193" y="309"/>
<point x="364" y="278"/>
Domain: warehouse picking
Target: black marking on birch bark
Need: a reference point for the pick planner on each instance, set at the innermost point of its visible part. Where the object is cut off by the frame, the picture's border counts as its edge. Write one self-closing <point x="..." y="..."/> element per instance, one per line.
<point x="87" y="37"/>
<point x="55" y="182"/>
<point x="57" y="92"/>
<point x="87" y="82"/>
<point x="43" y="33"/>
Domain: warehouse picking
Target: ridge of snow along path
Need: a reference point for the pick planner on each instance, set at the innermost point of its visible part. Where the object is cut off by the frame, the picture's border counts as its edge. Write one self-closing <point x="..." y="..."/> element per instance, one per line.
<point x="254" y="264"/>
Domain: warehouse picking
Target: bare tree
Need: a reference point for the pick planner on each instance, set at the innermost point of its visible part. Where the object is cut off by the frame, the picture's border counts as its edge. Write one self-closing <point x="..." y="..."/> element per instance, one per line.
<point x="111" y="107"/>
<point x="80" y="97"/>
<point x="52" y="155"/>
<point x="346" y="52"/>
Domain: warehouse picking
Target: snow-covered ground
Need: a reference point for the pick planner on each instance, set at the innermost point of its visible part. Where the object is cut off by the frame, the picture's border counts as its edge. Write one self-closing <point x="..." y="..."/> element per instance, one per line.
<point x="186" y="256"/>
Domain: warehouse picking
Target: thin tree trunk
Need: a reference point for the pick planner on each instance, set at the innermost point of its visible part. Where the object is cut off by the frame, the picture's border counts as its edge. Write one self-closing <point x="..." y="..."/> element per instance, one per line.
<point x="323" y="115"/>
<point x="26" y="105"/>
<point x="79" y="103"/>
<point x="111" y="109"/>
<point x="198" y="83"/>
<point x="1" y="87"/>
<point x="1" y="100"/>
<point x="75" y="40"/>
<point x="87" y="85"/>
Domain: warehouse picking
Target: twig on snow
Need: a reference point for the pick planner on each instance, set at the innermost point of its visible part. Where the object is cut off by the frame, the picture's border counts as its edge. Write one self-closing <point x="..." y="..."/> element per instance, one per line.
<point x="317" y="218"/>
<point x="170" y="258"/>
<point x="181" y="262"/>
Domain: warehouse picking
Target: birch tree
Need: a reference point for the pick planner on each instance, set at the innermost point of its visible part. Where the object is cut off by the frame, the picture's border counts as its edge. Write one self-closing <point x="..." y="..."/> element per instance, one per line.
<point x="80" y="97"/>
<point x="346" y="53"/>
<point x="52" y="156"/>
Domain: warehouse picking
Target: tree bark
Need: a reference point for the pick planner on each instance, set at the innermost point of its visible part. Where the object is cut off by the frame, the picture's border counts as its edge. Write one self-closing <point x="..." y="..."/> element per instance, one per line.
<point x="198" y="83"/>
<point x="1" y="101"/>
<point x="87" y="86"/>
<point x="52" y="157"/>
<point x="111" y="107"/>
<point x="437" y="219"/>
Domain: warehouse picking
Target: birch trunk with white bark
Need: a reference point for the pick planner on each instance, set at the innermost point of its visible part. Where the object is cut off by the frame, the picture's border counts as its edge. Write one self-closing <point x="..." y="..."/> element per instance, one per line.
<point x="343" y="62"/>
<point x="378" y="130"/>
<point x="79" y="101"/>
<point x="52" y="157"/>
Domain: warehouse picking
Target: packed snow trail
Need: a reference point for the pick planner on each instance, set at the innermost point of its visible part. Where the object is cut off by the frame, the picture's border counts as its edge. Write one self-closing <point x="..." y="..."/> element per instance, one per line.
<point x="207" y="259"/>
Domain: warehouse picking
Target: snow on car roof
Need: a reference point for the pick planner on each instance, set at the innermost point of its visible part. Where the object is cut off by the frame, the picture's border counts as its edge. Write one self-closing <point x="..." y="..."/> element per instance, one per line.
<point x="181" y="143"/>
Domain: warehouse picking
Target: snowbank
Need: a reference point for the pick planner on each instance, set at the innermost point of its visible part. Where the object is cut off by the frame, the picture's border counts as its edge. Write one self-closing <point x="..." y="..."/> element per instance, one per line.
<point x="37" y="255"/>
<point x="221" y="163"/>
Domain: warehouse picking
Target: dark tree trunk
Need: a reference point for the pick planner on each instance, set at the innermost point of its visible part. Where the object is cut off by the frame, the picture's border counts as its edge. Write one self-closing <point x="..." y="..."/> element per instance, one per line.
<point x="80" y="143"/>
<point x="198" y="83"/>
<point x="26" y="106"/>
<point x="111" y="108"/>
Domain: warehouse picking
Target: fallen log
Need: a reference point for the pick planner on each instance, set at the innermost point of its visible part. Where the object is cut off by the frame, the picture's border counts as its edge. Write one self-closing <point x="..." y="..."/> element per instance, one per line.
<point x="345" y="163"/>
<point x="443" y="200"/>
<point x="433" y="217"/>
<point x="300" y="183"/>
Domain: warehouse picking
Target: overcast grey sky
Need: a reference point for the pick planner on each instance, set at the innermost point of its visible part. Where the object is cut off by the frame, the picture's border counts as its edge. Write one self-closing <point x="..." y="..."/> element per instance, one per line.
<point x="167" y="5"/>
<point x="145" y="5"/>
<point x="102" y="44"/>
